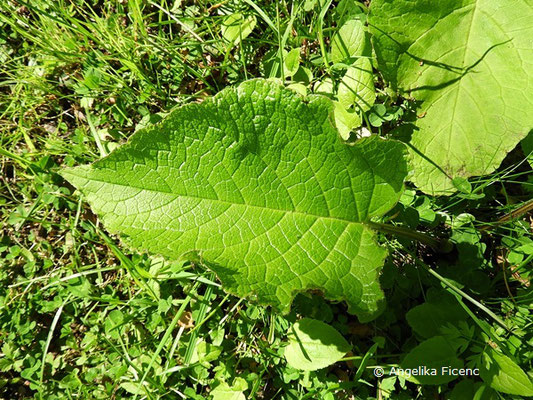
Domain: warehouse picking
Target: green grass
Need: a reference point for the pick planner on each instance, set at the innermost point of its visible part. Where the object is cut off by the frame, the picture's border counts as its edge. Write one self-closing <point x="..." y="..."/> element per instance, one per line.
<point x="82" y="317"/>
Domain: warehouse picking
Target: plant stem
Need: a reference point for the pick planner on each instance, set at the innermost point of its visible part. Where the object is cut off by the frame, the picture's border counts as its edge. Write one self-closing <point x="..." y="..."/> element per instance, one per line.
<point x="518" y="212"/>
<point x="353" y="358"/>
<point x="439" y="245"/>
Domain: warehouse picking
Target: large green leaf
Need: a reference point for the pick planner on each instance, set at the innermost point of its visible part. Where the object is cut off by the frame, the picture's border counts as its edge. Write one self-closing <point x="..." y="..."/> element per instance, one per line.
<point x="255" y="183"/>
<point x="470" y="64"/>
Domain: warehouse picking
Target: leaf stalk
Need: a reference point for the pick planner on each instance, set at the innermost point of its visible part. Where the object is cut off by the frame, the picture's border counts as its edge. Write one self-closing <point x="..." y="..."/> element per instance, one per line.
<point x="439" y="245"/>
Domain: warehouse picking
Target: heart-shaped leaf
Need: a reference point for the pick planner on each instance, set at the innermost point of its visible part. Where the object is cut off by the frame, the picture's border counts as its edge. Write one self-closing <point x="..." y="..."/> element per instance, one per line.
<point x="256" y="184"/>
<point x="470" y="65"/>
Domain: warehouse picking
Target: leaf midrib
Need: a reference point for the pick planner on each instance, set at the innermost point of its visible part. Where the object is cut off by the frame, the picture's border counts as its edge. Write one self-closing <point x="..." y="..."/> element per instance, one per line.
<point x="338" y="219"/>
<point x="451" y="130"/>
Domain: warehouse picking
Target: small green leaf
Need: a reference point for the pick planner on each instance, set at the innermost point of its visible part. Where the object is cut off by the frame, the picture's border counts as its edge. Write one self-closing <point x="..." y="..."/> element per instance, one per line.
<point x="349" y="42"/>
<point x="240" y="384"/>
<point x="303" y="76"/>
<point x="113" y="322"/>
<point x="298" y="88"/>
<point x="375" y="120"/>
<point x="430" y="318"/>
<point x="324" y="87"/>
<point x="433" y="354"/>
<point x="237" y="27"/>
<point x="346" y="120"/>
<point x="234" y="392"/>
<point x="357" y="86"/>
<point x="309" y="4"/>
<point x="380" y="110"/>
<point x="205" y="352"/>
<point x="470" y="390"/>
<point x="502" y="374"/>
<point x="132" y="387"/>
<point x="462" y="185"/>
<point x="292" y="62"/>
<point x="79" y="287"/>
<point x="314" y="345"/>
